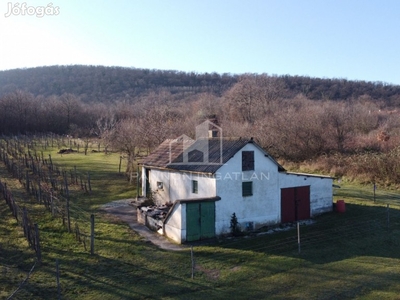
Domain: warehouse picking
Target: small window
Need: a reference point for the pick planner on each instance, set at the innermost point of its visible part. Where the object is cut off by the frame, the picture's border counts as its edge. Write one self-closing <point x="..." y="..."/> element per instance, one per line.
<point x="247" y="188"/>
<point x="160" y="185"/>
<point x="195" y="187"/>
<point x="247" y="160"/>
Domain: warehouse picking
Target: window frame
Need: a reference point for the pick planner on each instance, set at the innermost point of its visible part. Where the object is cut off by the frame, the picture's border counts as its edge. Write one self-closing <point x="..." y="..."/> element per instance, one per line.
<point x="195" y="187"/>
<point x="160" y="185"/>
<point x="247" y="188"/>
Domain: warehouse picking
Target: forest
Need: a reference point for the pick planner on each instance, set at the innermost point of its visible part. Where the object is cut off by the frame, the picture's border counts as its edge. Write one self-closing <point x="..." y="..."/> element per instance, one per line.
<point x="105" y="84"/>
<point x="333" y="126"/>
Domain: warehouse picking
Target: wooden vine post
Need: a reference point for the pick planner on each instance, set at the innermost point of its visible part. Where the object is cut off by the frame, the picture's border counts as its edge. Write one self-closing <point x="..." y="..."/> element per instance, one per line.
<point x="92" y="234"/>
<point x="89" y="185"/>
<point x="68" y="213"/>
<point x="37" y="244"/>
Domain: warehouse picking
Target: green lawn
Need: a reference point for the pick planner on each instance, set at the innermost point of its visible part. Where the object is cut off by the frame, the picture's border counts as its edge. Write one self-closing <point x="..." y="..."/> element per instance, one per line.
<point x="348" y="255"/>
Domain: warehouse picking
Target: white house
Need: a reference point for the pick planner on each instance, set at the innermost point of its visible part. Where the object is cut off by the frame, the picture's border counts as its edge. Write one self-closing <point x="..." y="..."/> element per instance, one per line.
<point x="237" y="176"/>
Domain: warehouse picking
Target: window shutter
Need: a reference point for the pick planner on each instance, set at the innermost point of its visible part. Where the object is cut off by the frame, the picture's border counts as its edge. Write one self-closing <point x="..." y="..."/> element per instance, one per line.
<point x="247" y="160"/>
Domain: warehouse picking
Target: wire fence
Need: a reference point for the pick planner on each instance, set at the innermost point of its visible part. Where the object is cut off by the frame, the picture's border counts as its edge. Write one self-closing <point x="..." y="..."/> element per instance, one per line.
<point x="23" y="282"/>
<point x="30" y="228"/>
<point x="304" y="239"/>
<point x="49" y="184"/>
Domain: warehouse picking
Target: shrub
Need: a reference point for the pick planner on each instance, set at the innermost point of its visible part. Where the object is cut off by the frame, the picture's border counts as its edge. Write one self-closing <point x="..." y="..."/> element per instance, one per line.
<point x="235" y="229"/>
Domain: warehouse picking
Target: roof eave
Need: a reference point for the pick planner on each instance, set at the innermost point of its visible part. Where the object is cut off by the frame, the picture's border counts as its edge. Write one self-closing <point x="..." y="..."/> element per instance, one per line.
<point x="176" y="170"/>
<point x="309" y="175"/>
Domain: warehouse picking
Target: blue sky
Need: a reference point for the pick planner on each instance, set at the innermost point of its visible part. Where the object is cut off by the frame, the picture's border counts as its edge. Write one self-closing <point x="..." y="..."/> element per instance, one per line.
<point x="352" y="39"/>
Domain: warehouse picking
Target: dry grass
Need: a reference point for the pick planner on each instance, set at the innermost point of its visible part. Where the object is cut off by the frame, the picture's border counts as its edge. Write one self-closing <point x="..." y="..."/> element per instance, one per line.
<point x="366" y="168"/>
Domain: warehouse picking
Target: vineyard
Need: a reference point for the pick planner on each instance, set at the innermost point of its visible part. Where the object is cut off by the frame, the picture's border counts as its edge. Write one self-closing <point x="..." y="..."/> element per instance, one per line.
<point x="47" y="184"/>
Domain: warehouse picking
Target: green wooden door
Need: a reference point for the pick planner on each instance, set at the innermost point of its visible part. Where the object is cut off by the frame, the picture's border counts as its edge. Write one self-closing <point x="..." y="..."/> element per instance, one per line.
<point x="207" y="211"/>
<point x="192" y="222"/>
<point x="200" y="221"/>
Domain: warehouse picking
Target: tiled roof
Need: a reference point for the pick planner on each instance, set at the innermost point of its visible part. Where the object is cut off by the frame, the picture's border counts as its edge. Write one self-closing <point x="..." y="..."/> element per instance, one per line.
<point x="171" y="154"/>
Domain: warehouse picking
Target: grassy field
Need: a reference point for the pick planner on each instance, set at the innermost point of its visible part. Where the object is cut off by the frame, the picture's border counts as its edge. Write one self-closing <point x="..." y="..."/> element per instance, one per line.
<point x="355" y="254"/>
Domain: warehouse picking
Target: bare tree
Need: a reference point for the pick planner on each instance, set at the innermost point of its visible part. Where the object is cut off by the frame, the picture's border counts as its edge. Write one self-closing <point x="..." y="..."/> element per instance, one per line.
<point x="242" y="99"/>
<point x="250" y="98"/>
<point x="126" y="139"/>
<point x="339" y="123"/>
<point x="70" y="105"/>
<point x="105" y="126"/>
<point x="158" y="123"/>
<point x="17" y="110"/>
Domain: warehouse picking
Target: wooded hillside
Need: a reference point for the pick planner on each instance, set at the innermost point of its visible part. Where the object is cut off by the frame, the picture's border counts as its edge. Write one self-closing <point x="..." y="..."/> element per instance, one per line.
<point x="342" y="127"/>
<point x="104" y="84"/>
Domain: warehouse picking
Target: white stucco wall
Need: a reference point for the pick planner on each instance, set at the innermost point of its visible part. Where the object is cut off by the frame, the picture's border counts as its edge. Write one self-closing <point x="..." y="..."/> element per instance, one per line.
<point x="260" y="208"/>
<point x="264" y="206"/>
<point x="178" y="185"/>
<point x="321" y="190"/>
<point x="175" y="227"/>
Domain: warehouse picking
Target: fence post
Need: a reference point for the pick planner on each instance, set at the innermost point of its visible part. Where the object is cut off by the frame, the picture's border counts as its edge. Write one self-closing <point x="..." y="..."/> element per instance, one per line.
<point x="27" y="181"/>
<point x="51" y="203"/>
<point x="191" y="256"/>
<point x="92" y="234"/>
<point x="298" y="237"/>
<point x="90" y="186"/>
<point x="39" y="192"/>
<point x="15" y="210"/>
<point x="25" y="221"/>
<point x="37" y="246"/>
<point x="51" y="162"/>
<point x="5" y="190"/>
<point x="77" y="232"/>
<point x="58" y="280"/>
<point x="388" y="217"/>
<point x="76" y="176"/>
<point x="68" y="214"/>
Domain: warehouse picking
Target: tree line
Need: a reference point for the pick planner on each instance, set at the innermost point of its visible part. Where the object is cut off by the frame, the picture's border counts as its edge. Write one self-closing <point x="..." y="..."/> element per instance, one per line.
<point x="105" y="84"/>
<point x="294" y="128"/>
<point x="108" y="84"/>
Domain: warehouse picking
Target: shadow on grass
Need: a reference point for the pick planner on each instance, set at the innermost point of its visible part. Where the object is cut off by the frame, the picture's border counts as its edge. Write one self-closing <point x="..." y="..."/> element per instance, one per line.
<point x="367" y="195"/>
<point x="360" y="231"/>
<point x="140" y="274"/>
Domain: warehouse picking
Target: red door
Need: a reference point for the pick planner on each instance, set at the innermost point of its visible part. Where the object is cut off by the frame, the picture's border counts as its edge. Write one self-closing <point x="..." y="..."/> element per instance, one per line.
<point x="287" y="205"/>
<point x="295" y="204"/>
